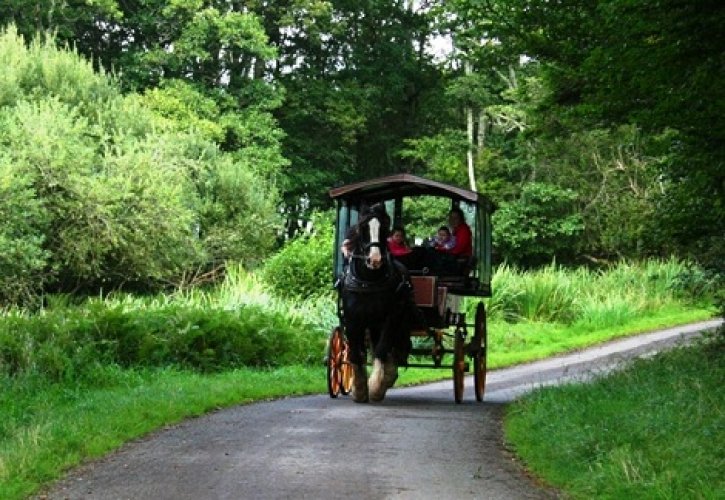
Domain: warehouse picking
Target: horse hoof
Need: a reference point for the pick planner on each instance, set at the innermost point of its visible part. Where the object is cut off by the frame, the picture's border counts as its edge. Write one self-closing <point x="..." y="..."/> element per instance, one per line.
<point x="377" y="395"/>
<point x="359" y="398"/>
<point x="360" y="394"/>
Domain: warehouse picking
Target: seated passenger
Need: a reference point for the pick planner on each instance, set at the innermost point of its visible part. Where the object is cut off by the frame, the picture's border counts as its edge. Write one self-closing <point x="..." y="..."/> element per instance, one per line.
<point x="397" y="245"/>
<point x="444" y="241"/>
<point x="461" y="232"/>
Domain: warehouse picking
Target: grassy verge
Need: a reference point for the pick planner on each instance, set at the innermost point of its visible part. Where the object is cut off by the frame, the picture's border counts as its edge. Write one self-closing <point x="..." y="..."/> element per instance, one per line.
<point x="653" y="430"/>
<point x="529" y="341"/>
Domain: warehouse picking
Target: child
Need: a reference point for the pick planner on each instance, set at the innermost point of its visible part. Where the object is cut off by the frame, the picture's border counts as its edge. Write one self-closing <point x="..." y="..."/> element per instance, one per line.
<point x="397" y="244"/>
<point x="444" y="241"/>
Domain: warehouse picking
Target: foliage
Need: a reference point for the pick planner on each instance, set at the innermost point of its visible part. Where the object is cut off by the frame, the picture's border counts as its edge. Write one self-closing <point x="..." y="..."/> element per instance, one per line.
<point x="595" y="299"/>
<point x="659" y="66"/>
<point x="303" y="267"/>
<point x="540" y="225"/>
<point x="113" y="194"/>
<point x="22" y="257"/>
<point x="63" y="345"/>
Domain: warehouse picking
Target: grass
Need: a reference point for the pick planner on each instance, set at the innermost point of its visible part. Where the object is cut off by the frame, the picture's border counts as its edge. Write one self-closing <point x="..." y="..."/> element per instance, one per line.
<point x="78" y="380"/>
<point x="528" y="341"/>
<point x="653" y="430"/>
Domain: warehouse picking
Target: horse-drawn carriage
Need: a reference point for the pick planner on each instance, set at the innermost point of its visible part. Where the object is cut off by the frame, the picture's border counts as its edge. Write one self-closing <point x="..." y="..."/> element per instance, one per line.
<point x="410" y="316"/>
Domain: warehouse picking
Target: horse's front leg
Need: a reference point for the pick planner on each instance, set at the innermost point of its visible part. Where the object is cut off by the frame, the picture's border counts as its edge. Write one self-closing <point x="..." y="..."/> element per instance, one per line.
<point x="385" y="367"/>
<point x="385" y="371"/>
<point x="356" y="339"/>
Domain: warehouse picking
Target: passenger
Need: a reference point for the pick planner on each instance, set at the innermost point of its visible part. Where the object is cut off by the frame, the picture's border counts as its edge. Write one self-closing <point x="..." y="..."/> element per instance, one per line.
<point x="397" y="244"/>
<point x="461" y="232"/>
<point x="444" y="241"/>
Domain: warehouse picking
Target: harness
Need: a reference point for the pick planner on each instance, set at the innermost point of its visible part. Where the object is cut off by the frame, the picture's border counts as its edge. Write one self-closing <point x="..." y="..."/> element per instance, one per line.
<point x="395" y="279"/>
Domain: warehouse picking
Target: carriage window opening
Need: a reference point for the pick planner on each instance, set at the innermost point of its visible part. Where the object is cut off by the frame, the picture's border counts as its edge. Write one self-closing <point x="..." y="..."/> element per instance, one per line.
<point x="423" y="215"/>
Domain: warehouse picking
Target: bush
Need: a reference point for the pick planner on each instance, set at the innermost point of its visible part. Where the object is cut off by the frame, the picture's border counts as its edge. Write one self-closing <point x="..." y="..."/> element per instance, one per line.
<point x="22" y="257"/>
<point x="65" y="344"/>
<point x="303" y="268"/>
<point x="106" y="193"/>
<point x="539" y="226"/>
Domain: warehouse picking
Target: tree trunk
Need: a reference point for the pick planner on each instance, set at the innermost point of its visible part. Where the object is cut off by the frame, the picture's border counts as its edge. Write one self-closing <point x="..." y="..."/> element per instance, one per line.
<point x="469" y="130"/>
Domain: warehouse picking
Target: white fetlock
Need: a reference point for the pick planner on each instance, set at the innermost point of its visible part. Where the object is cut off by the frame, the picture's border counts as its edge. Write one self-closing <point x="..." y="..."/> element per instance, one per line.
<point x="376" y="382"/>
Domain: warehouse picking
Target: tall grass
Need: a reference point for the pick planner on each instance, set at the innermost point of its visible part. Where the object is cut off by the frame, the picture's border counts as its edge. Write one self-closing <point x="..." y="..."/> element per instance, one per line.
<point x="593" y="298"/>
<point x="237" y="324"/>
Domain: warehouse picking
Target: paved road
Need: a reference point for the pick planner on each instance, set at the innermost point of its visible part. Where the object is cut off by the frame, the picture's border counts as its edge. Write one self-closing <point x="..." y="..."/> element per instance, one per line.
<point x="417" y="444"/>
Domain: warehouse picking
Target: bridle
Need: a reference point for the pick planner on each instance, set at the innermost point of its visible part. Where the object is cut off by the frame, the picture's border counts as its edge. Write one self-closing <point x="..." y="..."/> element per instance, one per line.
<point x="374" y="252"/>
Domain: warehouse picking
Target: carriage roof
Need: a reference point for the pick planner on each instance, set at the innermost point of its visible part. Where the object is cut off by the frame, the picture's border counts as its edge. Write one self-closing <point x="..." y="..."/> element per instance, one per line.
<point x="400" y="185"/>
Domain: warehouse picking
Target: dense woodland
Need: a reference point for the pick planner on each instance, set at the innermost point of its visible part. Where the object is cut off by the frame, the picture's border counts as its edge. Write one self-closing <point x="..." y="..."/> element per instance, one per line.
<point x="144" y="143"/>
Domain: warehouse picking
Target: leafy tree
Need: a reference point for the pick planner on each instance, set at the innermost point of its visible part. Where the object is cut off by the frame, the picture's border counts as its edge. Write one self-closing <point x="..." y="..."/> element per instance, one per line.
<point x="119" y="195"/>
<point x="650" y="63"/>
<point x="541" y="225"/>
<point x="358" y="84"/>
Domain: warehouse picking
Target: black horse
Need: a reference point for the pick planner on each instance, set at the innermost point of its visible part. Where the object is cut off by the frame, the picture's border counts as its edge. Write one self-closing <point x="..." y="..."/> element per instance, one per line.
<point x="377" y="300"/>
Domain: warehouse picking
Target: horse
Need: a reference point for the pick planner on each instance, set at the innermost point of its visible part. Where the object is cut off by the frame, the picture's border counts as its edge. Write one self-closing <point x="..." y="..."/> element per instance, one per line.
<point x="376" y="299"/>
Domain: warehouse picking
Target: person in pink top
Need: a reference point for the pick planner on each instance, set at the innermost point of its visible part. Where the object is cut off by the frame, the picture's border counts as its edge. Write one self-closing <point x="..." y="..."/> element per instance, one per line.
<point x="397" y="244"/>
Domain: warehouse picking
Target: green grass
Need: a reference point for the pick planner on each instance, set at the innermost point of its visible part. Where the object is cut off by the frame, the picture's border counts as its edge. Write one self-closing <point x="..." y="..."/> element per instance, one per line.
<point x="653" y="430"/>
<point x="528" y="341"/>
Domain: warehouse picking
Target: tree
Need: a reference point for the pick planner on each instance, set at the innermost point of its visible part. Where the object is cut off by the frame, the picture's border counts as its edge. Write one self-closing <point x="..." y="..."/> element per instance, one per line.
<point x="117" y="195"/>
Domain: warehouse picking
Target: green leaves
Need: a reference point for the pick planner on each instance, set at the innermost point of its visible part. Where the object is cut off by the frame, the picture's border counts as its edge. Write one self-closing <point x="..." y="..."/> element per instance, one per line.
<point x="540" y="225"/>
<point x="106" y="193"/>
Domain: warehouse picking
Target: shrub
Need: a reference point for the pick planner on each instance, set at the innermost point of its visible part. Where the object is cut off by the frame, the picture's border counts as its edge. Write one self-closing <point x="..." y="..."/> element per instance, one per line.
<point x="112" y="194"/>
<point x="303" y="268"/>
<point x="541" y="224"/>
<point x="65" y="344"/>
<point x="22" y="257"/>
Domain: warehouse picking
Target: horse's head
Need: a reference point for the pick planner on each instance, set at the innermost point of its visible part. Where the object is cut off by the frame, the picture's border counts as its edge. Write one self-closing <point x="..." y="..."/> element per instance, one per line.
<point x="373" y="233"/>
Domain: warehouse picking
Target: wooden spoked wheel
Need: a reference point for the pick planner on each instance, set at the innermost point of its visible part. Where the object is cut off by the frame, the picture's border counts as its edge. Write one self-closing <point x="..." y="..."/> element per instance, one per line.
<point x="346" y="370"/>
<point x="335" y="353"/>
<point x="480" y="349"/>
<point x="459" y="365"/>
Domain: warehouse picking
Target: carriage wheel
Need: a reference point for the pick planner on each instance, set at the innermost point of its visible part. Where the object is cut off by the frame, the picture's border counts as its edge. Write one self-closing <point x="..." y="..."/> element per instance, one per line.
<point x="479" y="355"/>
<point x="334" y="362"/>
<point x="459" y="365"/>
<point x="346" y="370"/>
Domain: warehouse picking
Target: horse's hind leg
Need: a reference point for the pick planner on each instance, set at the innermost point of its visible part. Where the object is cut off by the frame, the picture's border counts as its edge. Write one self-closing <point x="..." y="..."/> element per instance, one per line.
<point x="359" y="384"/>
